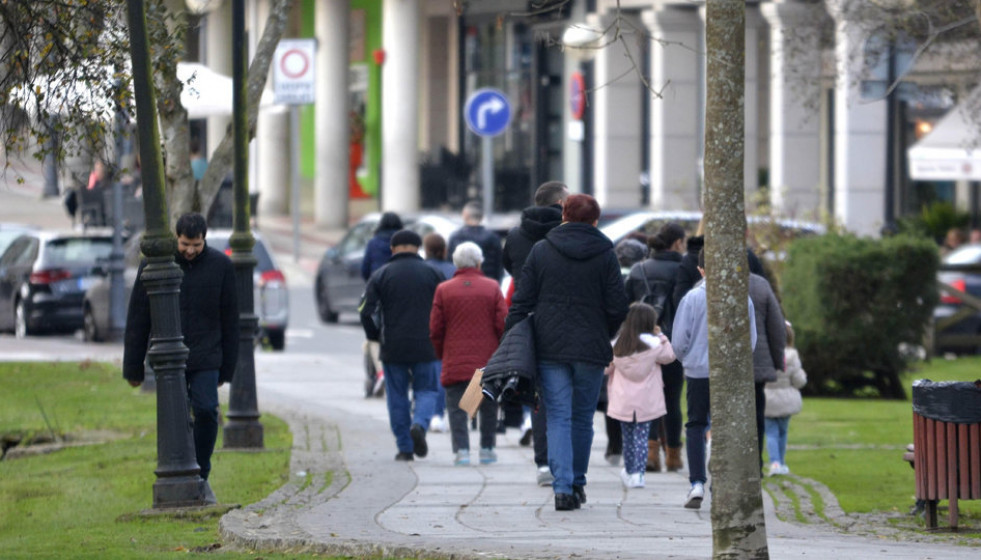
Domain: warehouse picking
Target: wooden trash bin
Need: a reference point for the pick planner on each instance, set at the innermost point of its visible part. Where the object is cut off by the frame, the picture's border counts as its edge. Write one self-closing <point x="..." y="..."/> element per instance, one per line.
<point x="946" y="445"/>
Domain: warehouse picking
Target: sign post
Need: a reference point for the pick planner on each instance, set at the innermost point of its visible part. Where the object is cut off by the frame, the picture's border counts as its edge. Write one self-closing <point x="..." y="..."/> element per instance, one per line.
<point x="293" y="84"/>
<point x="488" y="114"/>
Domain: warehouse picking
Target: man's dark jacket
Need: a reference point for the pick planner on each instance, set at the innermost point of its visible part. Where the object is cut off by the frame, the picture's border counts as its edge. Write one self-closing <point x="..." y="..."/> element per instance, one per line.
<point x="536" y="221"/>
<point x="688" y="274"/>
<point x="572" y="283"/>
<point x="209" y="317"/>
<point x="402" y="291"/>
<point x="488" y="241"/>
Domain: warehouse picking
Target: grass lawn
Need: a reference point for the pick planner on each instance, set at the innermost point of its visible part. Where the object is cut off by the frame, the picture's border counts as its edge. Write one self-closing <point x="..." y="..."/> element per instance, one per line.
<point x="85" y="502"/>
<point x="855" y="447"/>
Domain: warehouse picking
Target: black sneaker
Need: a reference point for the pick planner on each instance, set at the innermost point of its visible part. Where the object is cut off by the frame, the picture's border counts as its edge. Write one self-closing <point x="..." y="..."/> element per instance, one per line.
<point x="418" y="440"/>
<point x="580" y="493"/>
<point x="565" y="502"/>
<point x="403" y="456"/>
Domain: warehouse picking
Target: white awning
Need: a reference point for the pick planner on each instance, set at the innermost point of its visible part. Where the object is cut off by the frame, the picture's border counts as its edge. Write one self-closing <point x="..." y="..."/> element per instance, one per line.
<point x="952" y="151"/>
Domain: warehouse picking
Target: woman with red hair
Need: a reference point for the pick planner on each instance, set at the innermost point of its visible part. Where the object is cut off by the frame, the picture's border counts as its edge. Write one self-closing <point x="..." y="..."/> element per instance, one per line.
<point x="572" y="284"/>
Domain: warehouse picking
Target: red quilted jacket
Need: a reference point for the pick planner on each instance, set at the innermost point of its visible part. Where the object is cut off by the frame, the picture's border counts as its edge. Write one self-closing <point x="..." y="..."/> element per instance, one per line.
<point x="466" y="323"/>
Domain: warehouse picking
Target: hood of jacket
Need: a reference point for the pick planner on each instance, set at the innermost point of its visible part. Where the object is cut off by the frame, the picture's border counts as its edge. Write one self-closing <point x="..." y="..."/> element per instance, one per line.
<point x="537" y="221"/>
<point x="639" y="365"/>
<point x="578" y="241"/>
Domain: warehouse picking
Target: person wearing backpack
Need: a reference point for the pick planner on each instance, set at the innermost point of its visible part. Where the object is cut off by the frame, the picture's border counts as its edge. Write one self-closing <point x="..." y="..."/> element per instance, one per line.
<point x="652" y="282"/>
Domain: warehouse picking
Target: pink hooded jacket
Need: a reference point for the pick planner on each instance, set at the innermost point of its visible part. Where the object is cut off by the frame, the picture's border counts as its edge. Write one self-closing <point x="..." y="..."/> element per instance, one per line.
<point x="636" y="389"/>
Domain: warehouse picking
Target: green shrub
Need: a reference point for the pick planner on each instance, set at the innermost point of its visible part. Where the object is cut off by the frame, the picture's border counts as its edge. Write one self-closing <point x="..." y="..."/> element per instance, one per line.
<point x="934" y="221"/>
<point x="853" y="302"/>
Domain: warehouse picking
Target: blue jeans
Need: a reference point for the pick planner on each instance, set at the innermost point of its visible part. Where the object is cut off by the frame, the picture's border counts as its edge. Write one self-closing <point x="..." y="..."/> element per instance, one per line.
<point x="698" y="421"/>
<point x="202" y="392"/>
<point x="570" y="391"/>
<point x="424" y="377"/>
<point x="776" y="439"/>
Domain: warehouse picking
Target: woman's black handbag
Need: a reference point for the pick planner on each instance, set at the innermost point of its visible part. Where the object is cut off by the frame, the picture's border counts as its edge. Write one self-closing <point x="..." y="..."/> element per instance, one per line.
<point x="511" y="374"/>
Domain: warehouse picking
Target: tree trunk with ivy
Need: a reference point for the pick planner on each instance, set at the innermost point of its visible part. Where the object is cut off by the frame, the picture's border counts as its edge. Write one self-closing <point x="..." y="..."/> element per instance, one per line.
<point x="738" y="525"/>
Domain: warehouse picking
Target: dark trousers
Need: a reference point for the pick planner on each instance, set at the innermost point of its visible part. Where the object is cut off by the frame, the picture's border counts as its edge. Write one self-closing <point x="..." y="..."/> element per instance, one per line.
<point x="538" y="428"/>
<point x="459" y="423"/>
<point x="202" y="392"/>
<point x="698" y="418"/>
<point x="674" y="380"/>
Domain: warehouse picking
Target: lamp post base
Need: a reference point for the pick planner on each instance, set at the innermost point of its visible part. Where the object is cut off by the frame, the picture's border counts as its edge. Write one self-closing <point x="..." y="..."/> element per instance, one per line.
<point x="242" y="434"/>
<point x="182" y="491"/>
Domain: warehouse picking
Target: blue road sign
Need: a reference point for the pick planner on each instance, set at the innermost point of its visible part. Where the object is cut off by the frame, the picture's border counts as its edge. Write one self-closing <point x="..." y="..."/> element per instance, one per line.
<point x="487" y="112"/>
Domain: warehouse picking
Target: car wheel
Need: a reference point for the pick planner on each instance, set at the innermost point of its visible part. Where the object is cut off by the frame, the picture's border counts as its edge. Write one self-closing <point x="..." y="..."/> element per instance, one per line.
<point x="21" y="326"/>
<point x="277" y="339"/>
<point x="323" y="304"/>
<point x="90" y="330"/>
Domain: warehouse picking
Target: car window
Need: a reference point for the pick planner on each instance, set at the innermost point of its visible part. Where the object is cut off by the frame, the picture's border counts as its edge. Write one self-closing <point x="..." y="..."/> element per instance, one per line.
<point x="356" y="239"/>
<point x="75" y="251"/>
<point x="15" y="251"/>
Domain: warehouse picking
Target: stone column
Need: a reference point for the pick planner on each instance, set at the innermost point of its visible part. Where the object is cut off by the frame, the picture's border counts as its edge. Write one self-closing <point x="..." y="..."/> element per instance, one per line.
<point x="330" y="184"/>
<point x="795" y="97"/>
<point x="617" y="130"/>
<point x="675" y="52"/>
<point x="400" y="106"/>
<point x="219" y="58"/>
<point x="860" y="138"/>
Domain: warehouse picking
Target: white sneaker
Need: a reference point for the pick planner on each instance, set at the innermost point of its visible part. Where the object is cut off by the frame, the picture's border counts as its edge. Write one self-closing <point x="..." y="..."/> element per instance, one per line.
<point x="462" y="458"/>
<point x="695" y="496"/>
<point x="636" y="480"/>
<point x="625" y="478"/>
<point x="784" y="469"/>
<point x="545" y="477"/>
<point x="438" y="424"/>
<point x="774" y="469"/>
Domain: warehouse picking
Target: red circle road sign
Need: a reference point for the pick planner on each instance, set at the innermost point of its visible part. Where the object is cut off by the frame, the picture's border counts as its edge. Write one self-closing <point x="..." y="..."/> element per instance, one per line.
<point x="294" y="63"/>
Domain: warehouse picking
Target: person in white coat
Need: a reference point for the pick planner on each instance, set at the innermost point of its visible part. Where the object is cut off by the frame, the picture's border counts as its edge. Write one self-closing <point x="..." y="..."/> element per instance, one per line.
<point x="636" y="386"/>
<point x="783" y="400"/>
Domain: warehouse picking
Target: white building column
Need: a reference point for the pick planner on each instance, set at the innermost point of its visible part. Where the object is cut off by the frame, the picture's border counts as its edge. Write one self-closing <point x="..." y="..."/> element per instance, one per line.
<point x="860" y="139"/>
<point x="272" y="141"/>
<point x="400" y="106"/>
<point x="219" y="59"/>
<point x="617" y="132"/>
<point x="332" y="129"/>
<point x="795" y="91"/>
<point x="675" y="50"/>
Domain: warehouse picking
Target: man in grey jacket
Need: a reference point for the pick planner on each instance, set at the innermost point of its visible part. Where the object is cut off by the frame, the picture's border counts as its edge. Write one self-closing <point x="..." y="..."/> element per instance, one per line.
<point x="690" y="343"/>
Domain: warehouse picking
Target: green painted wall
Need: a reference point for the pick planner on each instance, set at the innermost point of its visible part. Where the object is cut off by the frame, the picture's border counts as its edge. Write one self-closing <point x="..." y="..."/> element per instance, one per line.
<point x="372" y="41"/>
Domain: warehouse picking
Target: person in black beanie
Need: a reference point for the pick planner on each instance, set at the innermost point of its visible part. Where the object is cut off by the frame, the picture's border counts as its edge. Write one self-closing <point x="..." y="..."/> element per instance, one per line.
<point x="395" y="312"/>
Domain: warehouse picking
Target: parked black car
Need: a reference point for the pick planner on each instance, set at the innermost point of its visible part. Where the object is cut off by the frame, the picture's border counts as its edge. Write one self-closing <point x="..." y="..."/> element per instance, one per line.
<point x="43" y="278"/>
<point x="966" y="319"/>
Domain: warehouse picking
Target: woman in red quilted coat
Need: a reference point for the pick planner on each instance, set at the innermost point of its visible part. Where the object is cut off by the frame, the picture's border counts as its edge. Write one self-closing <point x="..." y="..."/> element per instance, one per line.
<point x="465" y="326"/>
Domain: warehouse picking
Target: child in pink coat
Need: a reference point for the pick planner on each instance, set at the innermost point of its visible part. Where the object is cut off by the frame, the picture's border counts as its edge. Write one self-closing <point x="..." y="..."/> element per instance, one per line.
<point x="636" y="389"/>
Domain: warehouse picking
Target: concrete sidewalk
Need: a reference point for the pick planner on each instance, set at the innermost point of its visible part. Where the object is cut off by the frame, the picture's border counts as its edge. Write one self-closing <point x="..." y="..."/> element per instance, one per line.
<point x="347" y="495"/>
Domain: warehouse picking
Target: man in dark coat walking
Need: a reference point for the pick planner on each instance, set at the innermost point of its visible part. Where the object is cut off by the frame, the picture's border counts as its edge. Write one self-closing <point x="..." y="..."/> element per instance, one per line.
<point x="209" y="323"/>
<point x="487" y="240"/>
<point x="536" y="221"/>
<point x="395" y="312"/>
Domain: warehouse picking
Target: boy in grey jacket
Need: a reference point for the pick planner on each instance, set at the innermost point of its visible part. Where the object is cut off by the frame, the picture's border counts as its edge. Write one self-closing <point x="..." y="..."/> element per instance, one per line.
<point x="690" y="343"/>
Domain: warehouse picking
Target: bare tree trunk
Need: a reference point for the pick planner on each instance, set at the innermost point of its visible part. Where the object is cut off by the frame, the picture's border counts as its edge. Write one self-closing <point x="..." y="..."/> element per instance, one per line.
<point x="738" y="525"/>
<point x="224" y="155"/>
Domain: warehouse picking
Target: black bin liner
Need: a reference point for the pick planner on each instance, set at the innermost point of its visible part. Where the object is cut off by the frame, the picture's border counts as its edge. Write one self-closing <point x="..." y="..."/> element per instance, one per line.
<point x="948" y="401"/>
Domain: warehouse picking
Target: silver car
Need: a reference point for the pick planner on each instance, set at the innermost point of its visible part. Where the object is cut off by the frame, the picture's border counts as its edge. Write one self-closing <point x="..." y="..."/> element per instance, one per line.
<point x="271" y="294"/>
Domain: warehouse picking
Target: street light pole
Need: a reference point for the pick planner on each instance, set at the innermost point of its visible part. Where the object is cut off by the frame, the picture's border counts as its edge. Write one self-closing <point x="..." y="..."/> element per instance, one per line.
<point x="243" y="429"/>
<point x="178" y="483"/>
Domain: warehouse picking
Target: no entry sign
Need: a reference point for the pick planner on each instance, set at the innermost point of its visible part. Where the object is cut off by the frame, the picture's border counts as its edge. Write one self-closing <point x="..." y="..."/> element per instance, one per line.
<point x="293" y="82"/>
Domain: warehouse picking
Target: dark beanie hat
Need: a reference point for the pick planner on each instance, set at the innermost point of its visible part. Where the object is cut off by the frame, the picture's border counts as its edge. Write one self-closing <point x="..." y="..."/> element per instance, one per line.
<point x="406" y="237"/>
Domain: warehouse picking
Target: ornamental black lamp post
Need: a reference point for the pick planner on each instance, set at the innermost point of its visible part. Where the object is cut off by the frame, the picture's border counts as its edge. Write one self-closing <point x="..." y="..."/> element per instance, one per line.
<point x="243" y="429"/>
<point x="178" y="483"/>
